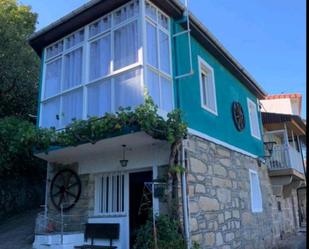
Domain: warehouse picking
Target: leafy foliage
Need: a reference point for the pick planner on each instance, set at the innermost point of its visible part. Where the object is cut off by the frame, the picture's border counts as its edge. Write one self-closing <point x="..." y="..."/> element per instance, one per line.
<point x="168" y="234"/>
<point x="145" y="117"/>
<point x="17" y="137"/>
<point x="19" y="66"/>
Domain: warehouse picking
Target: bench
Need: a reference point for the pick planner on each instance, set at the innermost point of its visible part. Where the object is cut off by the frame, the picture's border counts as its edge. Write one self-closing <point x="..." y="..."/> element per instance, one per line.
<point x="100" y="231"/>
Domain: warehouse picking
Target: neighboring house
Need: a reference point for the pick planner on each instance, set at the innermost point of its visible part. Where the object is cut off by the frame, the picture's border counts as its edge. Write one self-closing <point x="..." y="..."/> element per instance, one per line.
<point x="103" y="56"/>
<point x="287" y="169"/>
<point x="289" y="103"/>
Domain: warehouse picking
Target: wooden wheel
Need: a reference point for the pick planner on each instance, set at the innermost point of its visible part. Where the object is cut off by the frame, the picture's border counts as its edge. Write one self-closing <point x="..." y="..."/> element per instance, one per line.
<point x="65" y="189"/>
<point x="238" y="116"/>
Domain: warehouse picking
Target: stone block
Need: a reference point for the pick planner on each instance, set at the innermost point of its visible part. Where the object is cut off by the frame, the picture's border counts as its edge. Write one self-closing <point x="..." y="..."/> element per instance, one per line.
<point x="220" y="171"/>
<point x="197" y="166"/>
<point x="219" y="239"/>
<point x="210" y="239"/>
<point x="208" y="204"/>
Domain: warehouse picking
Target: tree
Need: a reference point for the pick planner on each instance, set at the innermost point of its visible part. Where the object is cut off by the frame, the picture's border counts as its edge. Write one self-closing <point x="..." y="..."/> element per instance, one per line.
<point x="19" y="65"/>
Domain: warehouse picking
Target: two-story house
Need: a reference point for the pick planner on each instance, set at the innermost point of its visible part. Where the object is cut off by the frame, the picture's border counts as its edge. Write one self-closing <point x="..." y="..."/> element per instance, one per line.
<point x="284" y="126"/>
<point x="103" y="56"/>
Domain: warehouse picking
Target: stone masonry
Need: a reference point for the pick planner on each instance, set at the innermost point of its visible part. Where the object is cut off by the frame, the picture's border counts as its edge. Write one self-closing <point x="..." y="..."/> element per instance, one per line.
<point x="219" y="199"/>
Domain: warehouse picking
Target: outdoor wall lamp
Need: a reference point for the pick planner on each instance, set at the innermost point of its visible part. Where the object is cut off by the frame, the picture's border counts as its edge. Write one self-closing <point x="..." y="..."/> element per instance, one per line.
<point x="269" y="146"/>
<point x="124" y="161"/>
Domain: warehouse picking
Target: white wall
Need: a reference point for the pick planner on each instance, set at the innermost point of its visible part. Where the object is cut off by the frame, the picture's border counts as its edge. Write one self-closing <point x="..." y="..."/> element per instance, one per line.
<point x="286" y="106"/>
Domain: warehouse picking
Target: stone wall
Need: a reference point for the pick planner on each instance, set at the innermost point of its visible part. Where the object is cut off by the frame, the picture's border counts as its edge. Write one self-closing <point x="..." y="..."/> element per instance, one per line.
<point x="85" y="205"/>
<point x="219" y="198"/>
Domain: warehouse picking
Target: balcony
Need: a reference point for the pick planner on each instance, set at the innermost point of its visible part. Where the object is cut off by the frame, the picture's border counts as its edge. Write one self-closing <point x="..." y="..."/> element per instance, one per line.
<point x="286" y="158"/>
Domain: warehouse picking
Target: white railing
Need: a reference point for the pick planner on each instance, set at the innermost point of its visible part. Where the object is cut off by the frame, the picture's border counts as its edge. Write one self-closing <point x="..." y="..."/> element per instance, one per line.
<point x="296" y="160"/>
<point x="285" y="157"/>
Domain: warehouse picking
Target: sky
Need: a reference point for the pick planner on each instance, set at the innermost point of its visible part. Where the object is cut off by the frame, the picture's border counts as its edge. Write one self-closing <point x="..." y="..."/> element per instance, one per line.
<point x="267" y="37"/>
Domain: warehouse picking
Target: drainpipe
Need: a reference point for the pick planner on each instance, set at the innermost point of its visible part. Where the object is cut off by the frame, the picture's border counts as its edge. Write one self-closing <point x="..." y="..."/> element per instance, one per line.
<point x="46" y="190"/>
<point x="185" y="198"/>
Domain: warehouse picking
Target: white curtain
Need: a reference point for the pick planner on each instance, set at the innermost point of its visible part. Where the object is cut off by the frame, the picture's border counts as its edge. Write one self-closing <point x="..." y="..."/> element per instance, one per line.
<point x="126" y="45"/>
<point x="128" y="90"/>
<point x="166" y="94"/>
<point x="49" y="113"/>
<point x="163" y="21"/>
<point x="254" y="119"/>
<point x="126" y="12"/>
<point x="54" y="50"/>
<point x="73" y="69"/>
<point x="151" y="12"/>
<point x="72" y="106"/>
<point x="153" y="86"/>
<point x="164" y="52"/>
<point x="52" y="78"/>
<point x="209" y="98"/>
<point x="100" y="57"/>
<point x="99" y="26"/>
<point x="152" y="46"/>
<point x="99" y="99"/>
<point x="256" y="197"/>
<point x="74" y="39"/>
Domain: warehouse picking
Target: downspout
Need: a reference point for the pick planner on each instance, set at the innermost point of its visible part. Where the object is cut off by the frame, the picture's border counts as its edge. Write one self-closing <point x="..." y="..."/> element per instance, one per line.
<point x="46" y="191"/>
<point x="185" y="198"/>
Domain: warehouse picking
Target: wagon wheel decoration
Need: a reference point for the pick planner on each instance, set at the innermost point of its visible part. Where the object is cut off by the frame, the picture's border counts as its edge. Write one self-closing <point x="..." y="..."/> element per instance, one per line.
<point x="65" y="189"/>
<point x="238" y="116"/>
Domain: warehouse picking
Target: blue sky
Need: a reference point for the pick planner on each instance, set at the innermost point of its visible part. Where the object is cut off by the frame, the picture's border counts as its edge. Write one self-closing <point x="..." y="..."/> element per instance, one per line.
<point x="267" y="37"/>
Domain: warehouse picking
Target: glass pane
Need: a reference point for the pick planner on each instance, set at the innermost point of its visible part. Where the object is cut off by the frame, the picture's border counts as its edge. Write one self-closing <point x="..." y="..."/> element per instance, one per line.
<point x="74" y="39"/>
<point x="163" y="21"/>
<point x="99" y="26"/>
<point x="167" y="94"/>
<point x="151" y="12"/>
<point x="52" y="78"/>
<point x="164" y="52"/>
<point x="153" y="86"/>
<point x="128" y="90"/>
<point x="152" y="46"/>
<point x="210" y="98"/>
<point x="50" y="113"/>
<point x="126" y="12"/>
<point x="72" y="104"/>
<point x="73" y="69"/>
<point x="99" y="99"/>
<point x="54" y="50"/>
<point x="100" y="57"/>
<point x="126" y="45"/>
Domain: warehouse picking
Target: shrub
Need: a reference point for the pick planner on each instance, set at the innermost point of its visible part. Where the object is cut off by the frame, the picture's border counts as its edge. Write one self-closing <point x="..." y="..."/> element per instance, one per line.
<point x="168" y="234"/>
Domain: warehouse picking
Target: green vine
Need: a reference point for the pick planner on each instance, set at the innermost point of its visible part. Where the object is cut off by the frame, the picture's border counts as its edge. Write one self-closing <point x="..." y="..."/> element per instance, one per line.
<point x="144" y="118"/>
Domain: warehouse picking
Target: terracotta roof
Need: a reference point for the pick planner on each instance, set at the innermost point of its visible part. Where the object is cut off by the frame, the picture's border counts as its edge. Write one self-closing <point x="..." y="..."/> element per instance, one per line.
<point x="285" y="96"/>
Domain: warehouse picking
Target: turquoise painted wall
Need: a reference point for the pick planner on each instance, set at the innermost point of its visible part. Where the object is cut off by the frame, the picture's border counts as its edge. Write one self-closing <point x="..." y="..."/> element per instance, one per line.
<point x="228" y="89"/>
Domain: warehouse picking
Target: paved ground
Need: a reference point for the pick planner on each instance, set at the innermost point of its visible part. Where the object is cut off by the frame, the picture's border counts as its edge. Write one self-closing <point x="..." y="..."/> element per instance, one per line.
<point x="17" y="232"/>
<point x="295" y="242"/>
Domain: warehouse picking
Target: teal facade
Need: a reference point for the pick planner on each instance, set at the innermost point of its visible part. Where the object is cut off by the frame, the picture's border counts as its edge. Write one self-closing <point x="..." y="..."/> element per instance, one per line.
<point x="228" y="89"/>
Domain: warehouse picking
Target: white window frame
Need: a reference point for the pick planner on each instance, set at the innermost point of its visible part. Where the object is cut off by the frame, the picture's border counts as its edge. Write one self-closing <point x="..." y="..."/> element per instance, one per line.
<point x="202" y="63"/>
<point x="146" y="19"/>
<point x="257" y="136"/>
<point x="98" y="195"/>
<point x="253" y="195"/>
<point x="85" y="45"/>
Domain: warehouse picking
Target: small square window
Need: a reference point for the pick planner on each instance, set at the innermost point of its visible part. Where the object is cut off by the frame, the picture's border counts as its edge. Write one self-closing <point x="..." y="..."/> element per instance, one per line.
<point x="207" y="87"/>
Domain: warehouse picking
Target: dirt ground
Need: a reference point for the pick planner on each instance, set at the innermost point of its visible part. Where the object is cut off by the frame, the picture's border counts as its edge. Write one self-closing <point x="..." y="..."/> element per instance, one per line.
<point x="17" y="232"/>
